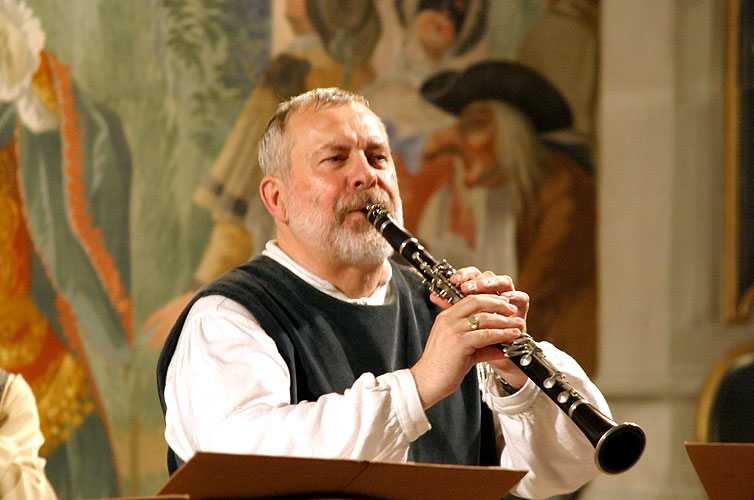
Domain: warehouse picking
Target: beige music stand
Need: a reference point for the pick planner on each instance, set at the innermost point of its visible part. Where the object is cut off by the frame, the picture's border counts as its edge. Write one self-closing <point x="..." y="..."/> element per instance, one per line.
<point x="217" y="475"/>
<point x="725" y="469"/>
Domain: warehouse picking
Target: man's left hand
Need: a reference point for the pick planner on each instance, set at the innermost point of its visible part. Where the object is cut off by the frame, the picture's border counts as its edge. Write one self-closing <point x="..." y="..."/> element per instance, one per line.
<point x="474" y="282"/>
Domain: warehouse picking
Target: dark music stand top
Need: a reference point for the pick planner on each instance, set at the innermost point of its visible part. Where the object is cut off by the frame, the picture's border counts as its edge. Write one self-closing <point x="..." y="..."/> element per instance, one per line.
<point x="218" y="475"/>
<point x="726" y="470"/>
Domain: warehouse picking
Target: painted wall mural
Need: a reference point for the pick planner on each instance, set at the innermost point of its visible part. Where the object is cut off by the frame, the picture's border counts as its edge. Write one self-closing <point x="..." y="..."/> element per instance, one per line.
<point x="128" y="176"/>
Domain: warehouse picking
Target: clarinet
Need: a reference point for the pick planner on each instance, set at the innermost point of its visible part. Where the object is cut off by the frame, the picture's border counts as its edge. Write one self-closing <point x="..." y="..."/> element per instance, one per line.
<point x="617" y="446"/>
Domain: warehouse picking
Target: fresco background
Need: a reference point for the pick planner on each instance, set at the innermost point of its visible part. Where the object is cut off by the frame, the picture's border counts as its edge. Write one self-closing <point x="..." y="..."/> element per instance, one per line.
<point x="167" y="81"/>
<point x="171" y="74"/>
<point x="660" y="190"/>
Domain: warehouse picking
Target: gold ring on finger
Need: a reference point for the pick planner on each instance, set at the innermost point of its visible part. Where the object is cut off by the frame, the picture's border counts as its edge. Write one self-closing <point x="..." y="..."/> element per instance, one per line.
<point x="473" y="321"/>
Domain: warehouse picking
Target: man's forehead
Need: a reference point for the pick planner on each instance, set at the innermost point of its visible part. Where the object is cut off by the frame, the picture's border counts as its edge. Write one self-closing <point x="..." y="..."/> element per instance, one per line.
<point x="341" y="122"/>
<point x="339" y="111"/>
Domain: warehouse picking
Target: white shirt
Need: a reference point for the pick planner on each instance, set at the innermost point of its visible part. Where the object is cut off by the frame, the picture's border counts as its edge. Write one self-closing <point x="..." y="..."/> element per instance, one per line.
<point x="228" y="390"/>
<point x="22" y="470"/>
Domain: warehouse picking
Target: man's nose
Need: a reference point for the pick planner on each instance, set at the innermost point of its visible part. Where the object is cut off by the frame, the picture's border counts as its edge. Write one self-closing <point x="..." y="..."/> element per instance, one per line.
<point x="362" y="173"/>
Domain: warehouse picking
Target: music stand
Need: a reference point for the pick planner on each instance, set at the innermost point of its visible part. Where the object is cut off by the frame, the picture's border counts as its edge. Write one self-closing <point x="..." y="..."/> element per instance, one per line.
<point x="726" y="470"/>
<point x="229" y="476"/>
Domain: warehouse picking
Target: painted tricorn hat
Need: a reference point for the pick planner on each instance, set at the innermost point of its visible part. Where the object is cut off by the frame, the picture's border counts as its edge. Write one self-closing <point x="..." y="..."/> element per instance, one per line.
<point x="505" y="81"/>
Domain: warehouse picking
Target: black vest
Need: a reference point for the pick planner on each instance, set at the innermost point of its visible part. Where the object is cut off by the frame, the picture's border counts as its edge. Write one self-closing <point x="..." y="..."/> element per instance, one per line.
<point x="328" y="343"/>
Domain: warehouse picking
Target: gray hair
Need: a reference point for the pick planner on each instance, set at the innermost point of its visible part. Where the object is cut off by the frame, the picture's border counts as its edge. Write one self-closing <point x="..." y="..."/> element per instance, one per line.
<point x="275" y="144"/>
<point x="518" y="150"/>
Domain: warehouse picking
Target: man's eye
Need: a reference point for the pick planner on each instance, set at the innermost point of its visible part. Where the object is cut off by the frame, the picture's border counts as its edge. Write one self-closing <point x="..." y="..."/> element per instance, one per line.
<point x="379" y="159"/>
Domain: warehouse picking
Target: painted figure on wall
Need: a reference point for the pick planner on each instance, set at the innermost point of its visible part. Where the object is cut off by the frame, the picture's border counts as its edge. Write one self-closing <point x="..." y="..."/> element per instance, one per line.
<point x="437" y="35"/>
<point x="541" y="201"/>
<point x="332" y="46"/>
<point x="65" y="182"/>
<point x="64" y="254"/>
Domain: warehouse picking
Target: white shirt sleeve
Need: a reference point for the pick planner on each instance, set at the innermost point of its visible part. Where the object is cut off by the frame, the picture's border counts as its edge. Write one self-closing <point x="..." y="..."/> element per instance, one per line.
<point x="223" y="346"/>
<point x="540" y="437"/>
<point x="22" y="475"/>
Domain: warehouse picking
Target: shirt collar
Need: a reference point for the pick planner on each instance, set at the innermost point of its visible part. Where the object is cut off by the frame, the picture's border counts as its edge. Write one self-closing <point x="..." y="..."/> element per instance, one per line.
<point x="379" y="297"/>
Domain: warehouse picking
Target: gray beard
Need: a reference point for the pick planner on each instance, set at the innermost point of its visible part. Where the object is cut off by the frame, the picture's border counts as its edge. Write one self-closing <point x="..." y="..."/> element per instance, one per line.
<point x="348" y="246"/>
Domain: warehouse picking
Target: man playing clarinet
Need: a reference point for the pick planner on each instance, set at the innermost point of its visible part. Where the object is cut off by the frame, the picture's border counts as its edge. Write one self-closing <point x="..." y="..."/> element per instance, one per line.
<point x="323" y="346"/>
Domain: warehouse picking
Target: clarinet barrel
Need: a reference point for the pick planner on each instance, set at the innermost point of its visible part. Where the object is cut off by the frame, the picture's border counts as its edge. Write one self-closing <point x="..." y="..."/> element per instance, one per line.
<point x="617" y="447"/>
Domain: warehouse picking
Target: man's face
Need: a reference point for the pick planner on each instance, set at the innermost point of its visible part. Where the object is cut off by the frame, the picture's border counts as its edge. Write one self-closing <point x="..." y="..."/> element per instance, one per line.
<point x="339" y="163"/>
<point x="477" y="128"/>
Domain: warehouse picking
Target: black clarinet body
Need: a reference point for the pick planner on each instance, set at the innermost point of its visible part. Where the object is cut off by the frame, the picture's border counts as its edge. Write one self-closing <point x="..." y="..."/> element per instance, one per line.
<point x="617" y="446"/>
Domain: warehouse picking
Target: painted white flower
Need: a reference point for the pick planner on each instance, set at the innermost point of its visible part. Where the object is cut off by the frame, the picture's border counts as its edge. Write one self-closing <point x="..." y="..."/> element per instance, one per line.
<point x="21" y="41"/>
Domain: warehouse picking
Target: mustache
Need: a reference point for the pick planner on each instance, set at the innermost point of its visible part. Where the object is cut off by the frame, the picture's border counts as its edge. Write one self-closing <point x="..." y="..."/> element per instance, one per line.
<point x="359" y="201"/>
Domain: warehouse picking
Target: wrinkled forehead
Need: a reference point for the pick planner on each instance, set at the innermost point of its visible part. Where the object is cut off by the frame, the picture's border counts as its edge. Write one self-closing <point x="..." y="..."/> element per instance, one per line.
<point x="350" y="119"/>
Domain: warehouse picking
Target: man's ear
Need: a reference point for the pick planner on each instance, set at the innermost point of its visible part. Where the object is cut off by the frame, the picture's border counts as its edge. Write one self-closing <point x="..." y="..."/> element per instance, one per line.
<point x="274" y="195"/>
